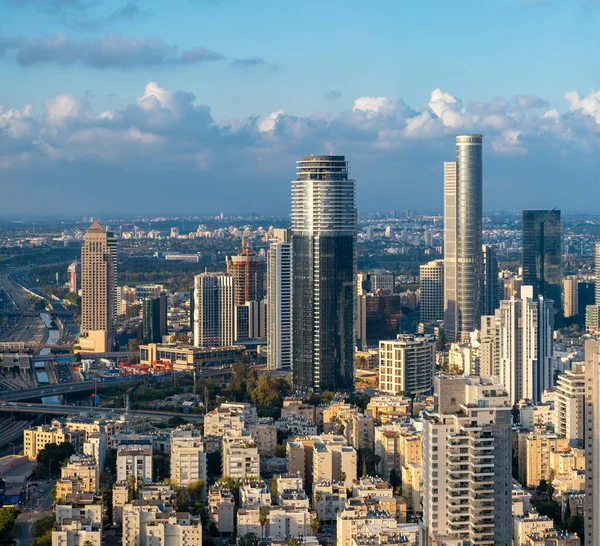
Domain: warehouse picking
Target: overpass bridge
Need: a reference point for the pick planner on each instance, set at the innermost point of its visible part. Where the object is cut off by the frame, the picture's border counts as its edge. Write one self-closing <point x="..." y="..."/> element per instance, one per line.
<point x="54" y="409"/>
<point x="89" y="386"/>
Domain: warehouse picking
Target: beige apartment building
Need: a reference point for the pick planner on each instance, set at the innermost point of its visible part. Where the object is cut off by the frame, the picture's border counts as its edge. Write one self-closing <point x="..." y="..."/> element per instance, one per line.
<point x="84" y="470"/>
<point x="535" y="450"/>
<point x="37" y="438"/>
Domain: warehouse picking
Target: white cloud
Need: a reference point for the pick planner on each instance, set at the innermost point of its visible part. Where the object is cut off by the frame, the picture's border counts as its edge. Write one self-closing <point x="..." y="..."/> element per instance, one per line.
<point x="509" y="143"/>
<point x="61" y="108"/>
<point x="589" y="105"/>
<point x="268" y="123"/>
<point x="378" y="105"/>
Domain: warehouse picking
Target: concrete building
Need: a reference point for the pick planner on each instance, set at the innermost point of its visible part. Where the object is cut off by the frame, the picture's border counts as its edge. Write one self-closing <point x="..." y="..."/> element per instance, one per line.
<point x="76" y="533"/>
<point x="254" y="493"/>
<point x="279" y="297"/>
<point x="324" y="224"/>
<point x="571" y="297"/>
<point x="569" y="404"/>
<point x="248" y="270"/>
<point x="535" y="449"/>
<point x="431" y="283"/>
<point x="525" y="345"/>
<point x="187" y="457"/>
<point x="264" y="433"/>
<point x="73" y="275"/>
<point x="37" y="438"/>
<point x="489" y="280"/>
<point x="282" y="523"/>
<point x="134" y="461"/>
<point x="592" y="441"/>
<point x="406" y="365"/>
<point x="144" y="527"/>
<point x="360" y="431"/>
<point x="228" y="417"/>
<point x="467" y="483"/>
<point x="240" y="456"/>
<point x="463" y="201"/>
<point x="213" y="310"/>
<point x="98" y="290"/>
<point x="329" y="498"/>
<point x="221" y="506"/>
<point x="84" y="469"/>
<point x="353" y="522"/>
<point x="529" y="524"/>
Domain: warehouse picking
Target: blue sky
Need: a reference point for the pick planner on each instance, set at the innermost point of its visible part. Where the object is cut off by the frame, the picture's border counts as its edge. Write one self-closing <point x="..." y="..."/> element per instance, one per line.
<point x="216" y="99"/>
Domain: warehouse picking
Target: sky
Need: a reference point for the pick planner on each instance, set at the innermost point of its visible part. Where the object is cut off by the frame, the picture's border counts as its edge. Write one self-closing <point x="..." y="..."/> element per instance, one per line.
<point x="200" y="106"/>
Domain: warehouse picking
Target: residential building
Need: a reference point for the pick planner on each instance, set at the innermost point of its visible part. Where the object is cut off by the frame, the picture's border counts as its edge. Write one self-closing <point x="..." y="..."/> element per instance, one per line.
<point x="406" y="365"/>
<point x="329" y="498"/>
<point x="569" y="404"/>
<point x="571" y="297"/>
<point x="37" y="438"/>
<point x="76" y="533"/>
<point x="431" y="283"/>
<point x="324" y="224"/>
<point x="592" y="441"/>
<point x="135" y="461"/>
<point x="535" y="449"/>
<point x="240" y="455"/>
<point x="279" y="297"/>
<point x="221" y="507"/>
<point x="85" y="470"/>
<point x="248" y="270"/>
<point x="463" y="202"/>
<point x="187" y="457"/>
<point x="213" y="310"/>
<point x="467" y="453"/>
<point x="98" y="290"/>
<point x="489" y="284"/>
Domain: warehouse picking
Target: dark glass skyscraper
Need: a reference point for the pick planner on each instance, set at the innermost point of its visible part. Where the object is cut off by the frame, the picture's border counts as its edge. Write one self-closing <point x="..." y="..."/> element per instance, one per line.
<point x="542" y="253"/>
<point x="324" y="226"/>
<point x="154" y="312"/>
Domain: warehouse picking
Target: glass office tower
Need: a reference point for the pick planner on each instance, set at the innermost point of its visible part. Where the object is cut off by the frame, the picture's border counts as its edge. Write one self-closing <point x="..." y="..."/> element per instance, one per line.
<point x="324" y="227"/>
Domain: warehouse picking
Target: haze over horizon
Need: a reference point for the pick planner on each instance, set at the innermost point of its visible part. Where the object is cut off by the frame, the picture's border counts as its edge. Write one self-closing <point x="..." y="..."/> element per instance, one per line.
<point x="208" y="105"/>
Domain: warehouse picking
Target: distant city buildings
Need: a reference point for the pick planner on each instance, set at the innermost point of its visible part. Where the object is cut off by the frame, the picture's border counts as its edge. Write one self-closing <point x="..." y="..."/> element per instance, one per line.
<point x="432" y="291"/>
<point x="213" y="310"/>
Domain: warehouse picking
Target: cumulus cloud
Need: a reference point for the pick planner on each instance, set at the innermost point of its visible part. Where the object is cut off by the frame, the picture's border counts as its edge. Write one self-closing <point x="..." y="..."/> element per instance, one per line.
<point x="169" y="135"/>
<point x="527" y="102"/>
<point x="112" y="51"/>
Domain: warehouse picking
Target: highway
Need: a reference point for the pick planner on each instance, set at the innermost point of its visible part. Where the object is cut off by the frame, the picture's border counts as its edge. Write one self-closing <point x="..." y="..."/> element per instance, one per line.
<point x="30" y="326"/>
<point x="52" y="409"/>
<point x="88" y="386"/>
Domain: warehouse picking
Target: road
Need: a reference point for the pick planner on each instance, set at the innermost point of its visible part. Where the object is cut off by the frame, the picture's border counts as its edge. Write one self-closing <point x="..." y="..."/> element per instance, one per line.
<point x="53" y="409"/>
<point x="30" y="327"/>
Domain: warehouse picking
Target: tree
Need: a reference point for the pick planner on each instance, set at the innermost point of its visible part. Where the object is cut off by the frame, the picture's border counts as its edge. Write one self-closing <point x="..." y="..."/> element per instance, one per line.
<point x="262" y="519"/>
<point x="111" y="461"/>
<point x="107" y="501"/>
<point x="293" y="542"/>
<point x="315" y="525"/>
<point x="177" y="421"/>
<point x="342" y="476"/>
<point x="317" y="496"/>
<point x="183" y="500"/>
<point x="395" y="480"/>
<point x="133" y="311"/>
<point x="274" y="484"/>
<point x="52" y="456"/>
<point x="8" y="517"/>
<point x="248" y="540"/>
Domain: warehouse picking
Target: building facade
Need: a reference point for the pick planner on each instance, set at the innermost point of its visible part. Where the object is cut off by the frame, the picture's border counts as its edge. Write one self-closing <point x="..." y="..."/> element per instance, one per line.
<point x="463" y="202"/>
<point x="324" y="224"/>
<point x="432" y="291"/>
<point x="213" y="310"/>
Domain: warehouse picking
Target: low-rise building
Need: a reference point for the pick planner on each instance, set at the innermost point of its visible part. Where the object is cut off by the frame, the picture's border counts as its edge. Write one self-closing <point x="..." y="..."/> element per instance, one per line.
<point x="240" y="456"/>
<point x="254" y="494"/>
<point x="37" y="438"/>
<point x="135" y="461"/>
<point x="221" y="506"/>
<point x="329" y="498"/>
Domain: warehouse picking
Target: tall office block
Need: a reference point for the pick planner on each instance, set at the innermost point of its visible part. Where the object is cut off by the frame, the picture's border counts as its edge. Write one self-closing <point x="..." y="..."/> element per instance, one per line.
<point x="250" y="321"/>
<point x="463" y="202"/>
<point x="592" y="312"/>
<point x="592" y="441"/>
<point x="73" y="274"/>
<point x="213" y="310"/>
<point x="467" y="454"/>
<point x="542" y="252"/>
<point x="489" y="284"/>
<point x="525" y="345"/>
<point x="432" y="291"/>
<point x="98" y="289"/>
<point x="407" y="365"/>
<point x="571" y="297"/>
<point x="154" y="319"/>
<point x="279" y="297"/>
<point x="597" y="267"/>
<point x="247" y="268"/>
<point x="324" y="230"/>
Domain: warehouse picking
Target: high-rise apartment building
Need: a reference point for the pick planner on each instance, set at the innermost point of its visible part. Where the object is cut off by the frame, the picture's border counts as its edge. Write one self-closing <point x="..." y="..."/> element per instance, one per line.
<point x="279" y="297"/>
<point x="187" y="457"/>
<point x="569" y="396"/>
<point x="73" y="274"/>
<point x="98" y="289"/>
<point x="247" y="268"/>
<point x="324" y="227"/>
<point x="489" y="280"/>
<point x="213" y="310"/>
<point x="154" y="315"/>
<point x="407" y="365"/>
<point x="542" y="252"/>
<point x="525" y="345"/>
<point x="467" y="454"/>
<point x="592" y="441"/>
<point x="570" y="297"/>
<point x="463" y="205"/>
<point x="592" y="312"/>
<point x="432" y="291"/>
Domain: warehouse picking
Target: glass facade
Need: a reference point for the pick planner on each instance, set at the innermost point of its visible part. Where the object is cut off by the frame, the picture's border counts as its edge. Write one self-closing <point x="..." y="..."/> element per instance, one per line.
<point x="324" y="266"/>
<point x="542" y="253"/>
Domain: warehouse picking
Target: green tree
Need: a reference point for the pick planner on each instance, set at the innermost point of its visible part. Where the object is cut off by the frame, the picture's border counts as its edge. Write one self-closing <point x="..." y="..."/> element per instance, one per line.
<point x="133" y="311"/>
<point x="183" y="500"/>
<point x="53" y="456"/>
<point x="262" y="519"/>
<point x="274" y="484"/>
<point x="107" y="501"/>
<point x="8" y="517"/>
<point x="315" y="526"/>
<point x="248" y="540"/>
<point x="177" y="421"/>
<point x="293" y="542"/>
<point x="133" y="345"/>
<point x="111" y="461"/>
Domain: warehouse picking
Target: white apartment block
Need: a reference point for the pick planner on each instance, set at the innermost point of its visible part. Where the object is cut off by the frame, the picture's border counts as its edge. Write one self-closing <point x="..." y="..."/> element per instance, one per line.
<point x="76" y="533"/>
<point x="134" y="461"/>
<point x="142" y="527"/>
<point x="283" y="523"/>
<point x="214" y="310"/>
<point x="229" y="416"/>
<point x="569" y="407"/>
<point x="221" y="507"/>
<point x="432" y="291"/>
<point x="240" y="456"/>
<point x="406" y="365"/>
<point x="329" y="498"/>
<point x="188" y="459"/>
<point x="254" y="494"/>
<point x="467" y="453"/>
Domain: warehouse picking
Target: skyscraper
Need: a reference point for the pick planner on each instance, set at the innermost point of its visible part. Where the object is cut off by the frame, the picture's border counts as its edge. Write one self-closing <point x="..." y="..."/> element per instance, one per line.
<point x="73" y="273"/>
<point x="154" y="315"/>
<point x="463" y="202"/>
<point x="247" y="269"/>
<point x="98" y="289"/>
<point x="525" y="345"/>
<point x="324" y="230"/>
<point x="213" y="310"/>
<point x="542" y="252"/>
<point x="467" y="454"/>
<point x="279" y="297"/>
<point x="570" y="297"/>
<point x="432" y="291"/>
<point x="489" y="284"/>
<point x="592" y="441"/>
